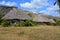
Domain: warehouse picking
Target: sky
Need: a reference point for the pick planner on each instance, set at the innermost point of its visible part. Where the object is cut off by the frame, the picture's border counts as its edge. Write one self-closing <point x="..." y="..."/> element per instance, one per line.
<point x="35" y="6"/>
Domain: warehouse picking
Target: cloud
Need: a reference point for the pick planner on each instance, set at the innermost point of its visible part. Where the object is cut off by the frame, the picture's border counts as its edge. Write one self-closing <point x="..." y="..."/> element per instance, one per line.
<point x="52" y="10"/>
<point x="35" y="4"/>
<point x="8" y="3"/>
<point x="38" y="5"/>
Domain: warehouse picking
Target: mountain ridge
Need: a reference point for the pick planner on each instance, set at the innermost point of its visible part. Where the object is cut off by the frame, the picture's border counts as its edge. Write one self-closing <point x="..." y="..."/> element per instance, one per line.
<point x="5" y="9"/>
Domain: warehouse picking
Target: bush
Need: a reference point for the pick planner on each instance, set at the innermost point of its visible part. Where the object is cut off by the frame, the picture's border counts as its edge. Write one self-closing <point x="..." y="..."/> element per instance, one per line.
<point x="27" y="23"/>
<point x="5" y="23"/>
<point x="22" y="23"/>
<point x="58" y="23"/>
<point x="1" y="16"/>
<point x="17" y="25"/>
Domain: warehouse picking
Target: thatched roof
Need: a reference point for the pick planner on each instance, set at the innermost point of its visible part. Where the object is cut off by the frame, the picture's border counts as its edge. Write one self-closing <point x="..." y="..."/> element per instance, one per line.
<point x="42" y="18"/>
<point x="15" y="13"/>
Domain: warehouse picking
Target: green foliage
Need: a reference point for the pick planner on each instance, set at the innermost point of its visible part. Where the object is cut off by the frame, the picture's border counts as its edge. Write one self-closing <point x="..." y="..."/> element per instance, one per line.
<point x="22" y="23"/>
<point x="5" y="23"/>
<point x="58" y="23"/>
<point x="27" y="23"/>
<point x="1" y="16"/>
<point x="17" y="25"/>
<point x="30" y="14"/>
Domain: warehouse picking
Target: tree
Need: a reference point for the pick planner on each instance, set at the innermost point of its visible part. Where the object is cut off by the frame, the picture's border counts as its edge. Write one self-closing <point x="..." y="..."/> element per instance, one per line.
<point x="58" y="2"/>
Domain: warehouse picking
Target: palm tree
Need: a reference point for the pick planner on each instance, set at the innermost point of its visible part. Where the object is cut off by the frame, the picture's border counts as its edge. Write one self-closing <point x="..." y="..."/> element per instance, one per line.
<point x="58" y="2"/>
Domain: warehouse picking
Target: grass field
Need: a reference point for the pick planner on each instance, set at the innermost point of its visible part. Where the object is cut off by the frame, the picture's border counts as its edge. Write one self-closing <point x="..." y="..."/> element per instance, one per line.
<point x="30" y="33"/>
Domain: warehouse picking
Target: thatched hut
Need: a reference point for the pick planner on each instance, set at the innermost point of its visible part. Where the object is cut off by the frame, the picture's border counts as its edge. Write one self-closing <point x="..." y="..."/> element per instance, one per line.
<point x="42" y="19"/>
<point x="15" y="15"/>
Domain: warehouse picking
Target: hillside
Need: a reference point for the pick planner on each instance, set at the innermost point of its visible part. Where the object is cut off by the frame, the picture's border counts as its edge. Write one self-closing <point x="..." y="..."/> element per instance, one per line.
<point x="48" y="16"/>
<point x="5" y="9"/>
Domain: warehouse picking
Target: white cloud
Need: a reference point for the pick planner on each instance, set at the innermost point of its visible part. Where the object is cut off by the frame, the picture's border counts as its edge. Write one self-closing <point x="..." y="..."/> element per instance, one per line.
<point x="8" y="3"/>
<point x="35" y="4"/>
<point x="52" y="10"/>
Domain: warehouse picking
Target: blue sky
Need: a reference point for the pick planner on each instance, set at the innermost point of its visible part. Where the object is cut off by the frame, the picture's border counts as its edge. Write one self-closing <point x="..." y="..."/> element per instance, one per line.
<point x="36" y="6"/>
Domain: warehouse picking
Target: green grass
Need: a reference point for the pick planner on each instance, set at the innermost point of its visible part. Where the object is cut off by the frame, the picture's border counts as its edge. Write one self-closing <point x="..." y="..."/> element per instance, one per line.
<point x="30" y="33"/>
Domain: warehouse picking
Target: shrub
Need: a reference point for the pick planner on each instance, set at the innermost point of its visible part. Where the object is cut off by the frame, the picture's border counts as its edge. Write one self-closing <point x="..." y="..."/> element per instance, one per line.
<point x="16" y="25"/>
<point x="22" y="23"/>
<point x="5" y="23"/>
<point x="58" y="23"/>
<point x="1" y="16"/>
<point x="27" y="23"/>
